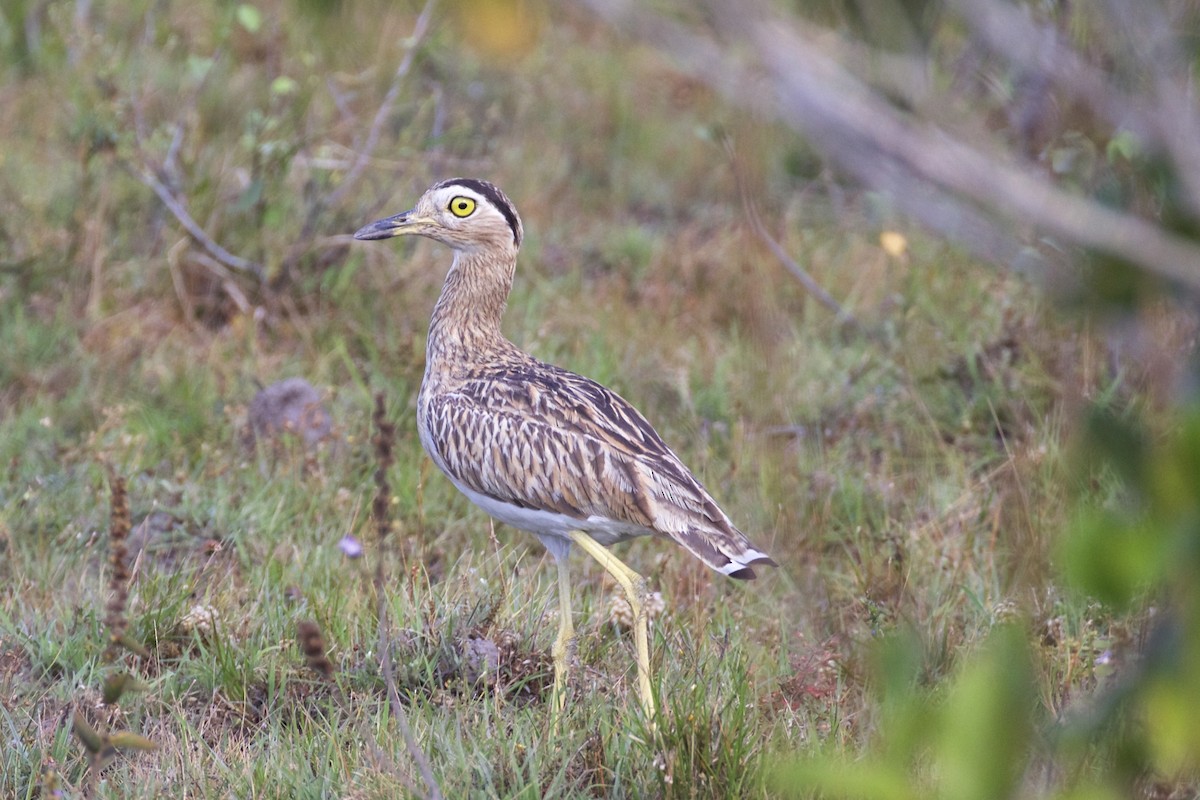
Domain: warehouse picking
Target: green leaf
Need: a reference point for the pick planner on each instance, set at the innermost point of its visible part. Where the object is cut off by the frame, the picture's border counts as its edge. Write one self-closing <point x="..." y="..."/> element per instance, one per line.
<point x="1123" y="145"/>
<point x="250" y="196"/>
<point x="198" y="67"/>
<point x="283" y="85"/>
<point x="897" y="665"/>
<point x="1120" y="442"/>
<point x="834" y="777"/>
<point x="249" y="17"/>
<point x="986" y="721"/>
<point x="1092" y="791"/>
<point x="1111" y="558"/>
<point x="1174" y="469"/>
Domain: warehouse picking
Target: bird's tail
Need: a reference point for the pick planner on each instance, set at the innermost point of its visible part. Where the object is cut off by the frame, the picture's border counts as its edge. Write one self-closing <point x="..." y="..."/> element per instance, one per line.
<point x="728" y="552"/>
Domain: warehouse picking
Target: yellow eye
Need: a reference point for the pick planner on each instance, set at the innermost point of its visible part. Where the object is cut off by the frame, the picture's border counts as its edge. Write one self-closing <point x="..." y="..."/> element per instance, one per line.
<point x="462" y="206"/>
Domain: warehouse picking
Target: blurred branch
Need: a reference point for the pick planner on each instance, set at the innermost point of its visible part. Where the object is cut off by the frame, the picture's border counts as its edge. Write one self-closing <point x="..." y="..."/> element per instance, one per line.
<point x="1010" y="33"/>
<point x="230" y="286"/>
<point x="385" y="108"/>
<point x="778" y="67"/>
<point x="180" y="212"/>
<point x="186" y="306"/>
<point x="1159" y="55"/>
<point x="801" y="274"/>
<point x="1167" y="121"/>
<point x="810" y="284"/>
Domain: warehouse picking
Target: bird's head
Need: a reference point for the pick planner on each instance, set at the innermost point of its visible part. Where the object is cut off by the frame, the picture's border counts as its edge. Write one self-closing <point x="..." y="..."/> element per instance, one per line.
<point x="463" y="213"/>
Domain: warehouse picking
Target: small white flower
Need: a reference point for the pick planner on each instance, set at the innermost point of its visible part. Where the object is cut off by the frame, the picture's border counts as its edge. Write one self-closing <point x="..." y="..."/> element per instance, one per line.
<point x="199" y="618"/>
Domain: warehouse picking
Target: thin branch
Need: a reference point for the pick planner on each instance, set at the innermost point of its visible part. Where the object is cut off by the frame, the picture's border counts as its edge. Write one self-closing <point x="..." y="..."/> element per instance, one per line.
<point x="171" y="160"/>
<point x="810" y="284"/>
<point x="185" y="300"/>
<point x="227" y="282"/>
<point x="385" y="108"/>
<point x="193" y="228"/>
<point x="806" y="280"/>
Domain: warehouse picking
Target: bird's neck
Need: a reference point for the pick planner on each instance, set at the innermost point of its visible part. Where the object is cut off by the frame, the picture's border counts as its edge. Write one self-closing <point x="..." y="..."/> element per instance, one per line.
<point x="467" y="316"/>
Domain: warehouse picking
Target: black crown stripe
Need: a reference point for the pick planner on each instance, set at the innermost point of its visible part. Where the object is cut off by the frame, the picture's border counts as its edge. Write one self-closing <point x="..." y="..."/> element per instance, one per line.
<point x="495" y="196"/>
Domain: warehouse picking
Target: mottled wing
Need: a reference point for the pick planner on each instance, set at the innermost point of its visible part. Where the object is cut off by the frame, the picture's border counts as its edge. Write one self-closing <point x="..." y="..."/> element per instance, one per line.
<point x="542" y="437"/>
<point x="532" y="464"/>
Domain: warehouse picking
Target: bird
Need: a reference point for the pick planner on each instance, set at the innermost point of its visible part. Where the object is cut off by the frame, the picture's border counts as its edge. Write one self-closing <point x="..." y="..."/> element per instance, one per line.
<point x="539" y="447"/>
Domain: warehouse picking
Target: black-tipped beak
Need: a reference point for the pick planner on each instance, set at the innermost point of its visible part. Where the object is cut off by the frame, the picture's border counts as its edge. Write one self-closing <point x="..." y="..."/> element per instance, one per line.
<point x="385" y="228"/>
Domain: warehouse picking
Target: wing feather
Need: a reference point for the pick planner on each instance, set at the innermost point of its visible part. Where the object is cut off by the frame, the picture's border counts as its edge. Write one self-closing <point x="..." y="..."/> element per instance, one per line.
<point x="541" y="437"/>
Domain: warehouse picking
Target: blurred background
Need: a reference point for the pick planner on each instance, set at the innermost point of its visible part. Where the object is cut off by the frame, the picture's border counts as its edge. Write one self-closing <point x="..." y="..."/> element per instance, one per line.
<point x="911" y="285"/>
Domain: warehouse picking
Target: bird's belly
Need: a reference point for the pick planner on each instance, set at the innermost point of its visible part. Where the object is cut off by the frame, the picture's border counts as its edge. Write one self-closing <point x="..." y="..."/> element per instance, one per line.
<point x="551" y="523"/>
<point x="545" y="524"/>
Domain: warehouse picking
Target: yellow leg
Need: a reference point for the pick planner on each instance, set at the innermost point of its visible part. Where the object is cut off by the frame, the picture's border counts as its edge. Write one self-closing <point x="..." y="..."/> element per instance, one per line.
<point x="566" y="633"/>
<point x="635" y="589"/>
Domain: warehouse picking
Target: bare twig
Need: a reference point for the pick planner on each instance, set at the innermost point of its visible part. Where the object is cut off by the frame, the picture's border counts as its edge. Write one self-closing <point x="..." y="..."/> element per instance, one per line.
<point x="171" y="161"/>
<point x="185" y="300"/>
<point x="810" y="284"/>
<point x="180" y="212"/>
<point x="230" y="286"/>
<point x="385" y="108"/>
<point x="801" y="274"/>
<point x="858" y="129"/>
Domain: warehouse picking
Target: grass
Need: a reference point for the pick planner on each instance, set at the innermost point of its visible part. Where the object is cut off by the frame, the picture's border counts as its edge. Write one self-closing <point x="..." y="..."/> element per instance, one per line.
<point x="911" y="480"/>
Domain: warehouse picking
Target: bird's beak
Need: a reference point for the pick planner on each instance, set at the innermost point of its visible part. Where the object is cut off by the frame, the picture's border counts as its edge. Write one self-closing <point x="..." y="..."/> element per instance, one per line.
<point x="398" y="225"/>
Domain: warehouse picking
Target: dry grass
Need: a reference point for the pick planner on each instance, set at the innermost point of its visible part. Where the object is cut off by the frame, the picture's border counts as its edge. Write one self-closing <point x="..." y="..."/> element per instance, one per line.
<point x="910" y="479"/>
